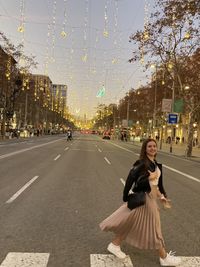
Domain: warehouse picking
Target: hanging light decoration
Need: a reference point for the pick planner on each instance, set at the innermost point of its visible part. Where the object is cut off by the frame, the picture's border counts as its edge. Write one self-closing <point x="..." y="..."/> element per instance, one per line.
<point x="93" y="70"/>
<point x="85" y="56"/>
<point x="105" y="31"/>
<point x="21" y="27"/>
<point x="101" y="92"/>
<point x="115" y="60"/>
<point x="53" y="29"/>
<point x="145" y="33"/>
<point x="63" y="32"/>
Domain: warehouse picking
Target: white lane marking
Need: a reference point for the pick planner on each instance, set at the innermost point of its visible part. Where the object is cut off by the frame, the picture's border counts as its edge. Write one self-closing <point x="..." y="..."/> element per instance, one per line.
<point x="21" y="190"/>
<point x="26" y="149"/>
<point x="66" y="148"/>
<point x="122" y="148"/>
<point x="99" y="150"/>
<point x="122" y="180"/>
<point x="103" y="260"/>
<point x="190" y="261"/>
<point x="17" y="259"/>
<point x="78" y="149"/>
<point x="182" y="173"/>
<point x="57" y="157"/>
<point x="167" y="167"/>
<point x="107" y="160"/>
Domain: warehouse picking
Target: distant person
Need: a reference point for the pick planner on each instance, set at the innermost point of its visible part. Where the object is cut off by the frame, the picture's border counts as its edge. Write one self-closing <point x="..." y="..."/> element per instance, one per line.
<point x="141" y="227"/>
<point x="69" y="135"/>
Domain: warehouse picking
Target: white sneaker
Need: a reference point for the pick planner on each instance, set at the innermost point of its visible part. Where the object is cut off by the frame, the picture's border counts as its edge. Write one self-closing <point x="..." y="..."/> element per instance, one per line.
<point x="170" y="260"/>
<point x="115" y="250"/>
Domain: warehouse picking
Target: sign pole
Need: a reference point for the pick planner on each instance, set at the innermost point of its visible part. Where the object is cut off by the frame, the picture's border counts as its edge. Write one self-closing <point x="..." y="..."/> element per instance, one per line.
<point x="172" y="127"/>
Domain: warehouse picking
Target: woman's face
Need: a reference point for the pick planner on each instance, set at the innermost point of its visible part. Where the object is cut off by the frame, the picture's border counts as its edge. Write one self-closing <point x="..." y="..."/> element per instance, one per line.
<point x="151" y="149"/>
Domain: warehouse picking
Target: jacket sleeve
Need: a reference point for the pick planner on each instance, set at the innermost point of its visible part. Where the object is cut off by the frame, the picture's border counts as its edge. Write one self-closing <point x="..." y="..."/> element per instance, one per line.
<point x="160" y="182"/>
<point x="132" y="177"/>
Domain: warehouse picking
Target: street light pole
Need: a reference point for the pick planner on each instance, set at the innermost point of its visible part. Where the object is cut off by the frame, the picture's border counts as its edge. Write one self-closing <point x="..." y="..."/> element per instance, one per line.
<point x="155" y="97"/>
<point x="128" y="107"/>
<point x="172" y="109"/>
<point x="25" y="112"/>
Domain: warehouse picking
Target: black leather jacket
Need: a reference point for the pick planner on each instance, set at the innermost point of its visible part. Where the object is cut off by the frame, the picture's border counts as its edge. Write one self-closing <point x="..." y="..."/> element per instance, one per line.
<point x="137" y="179"/>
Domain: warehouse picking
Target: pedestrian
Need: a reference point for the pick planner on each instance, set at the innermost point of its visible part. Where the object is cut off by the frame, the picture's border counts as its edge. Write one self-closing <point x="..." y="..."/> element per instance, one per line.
<point x="140" y="227"/>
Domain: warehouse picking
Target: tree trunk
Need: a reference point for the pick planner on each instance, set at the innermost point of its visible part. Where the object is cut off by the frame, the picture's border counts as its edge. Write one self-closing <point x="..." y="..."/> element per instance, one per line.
<point x="188" y="151"/>
<point x="3" y="125"/>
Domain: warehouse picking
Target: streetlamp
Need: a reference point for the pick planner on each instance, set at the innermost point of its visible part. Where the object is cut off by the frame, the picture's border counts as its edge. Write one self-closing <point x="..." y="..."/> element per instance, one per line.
<point x="172" y="109"/>
<point x="155" y="96"/>
<point x="128" y="106"/>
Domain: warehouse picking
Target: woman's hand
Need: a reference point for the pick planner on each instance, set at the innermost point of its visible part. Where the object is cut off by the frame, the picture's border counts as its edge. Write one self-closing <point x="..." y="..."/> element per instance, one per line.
<point x="166" y="202"/>
<point x="152" y="175"/>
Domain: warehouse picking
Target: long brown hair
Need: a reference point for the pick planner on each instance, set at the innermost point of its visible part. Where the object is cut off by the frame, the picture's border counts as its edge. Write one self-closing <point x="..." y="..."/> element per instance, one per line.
<point x="143" y="153"/>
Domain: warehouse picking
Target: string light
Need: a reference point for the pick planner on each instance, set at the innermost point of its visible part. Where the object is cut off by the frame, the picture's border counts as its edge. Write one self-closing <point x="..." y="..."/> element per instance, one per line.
<point x="85" y="56"/>
<point x="105" y="32"/>
<point x="63" y="32"/>
<point x="8" y="68"/>
<point x="95" y="52"/>
<point x="145" y="34"/>
<point x="47" y="51"/>
<point x="115" y="60"/>
<point x="21" y="27"/>
<point x="53" y="30"/>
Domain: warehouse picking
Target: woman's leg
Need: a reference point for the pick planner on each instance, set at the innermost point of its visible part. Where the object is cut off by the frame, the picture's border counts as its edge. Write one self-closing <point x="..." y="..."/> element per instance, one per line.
<point x="162" y="253"/>
<point x="117" y="240"/>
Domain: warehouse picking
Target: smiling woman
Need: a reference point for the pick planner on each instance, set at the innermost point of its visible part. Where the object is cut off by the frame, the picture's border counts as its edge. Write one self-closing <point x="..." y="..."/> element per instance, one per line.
<point x="140" y="226"/>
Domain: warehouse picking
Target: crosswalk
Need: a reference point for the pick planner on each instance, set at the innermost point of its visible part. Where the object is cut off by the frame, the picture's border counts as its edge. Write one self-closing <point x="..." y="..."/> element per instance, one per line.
<point x="19" y="259"/>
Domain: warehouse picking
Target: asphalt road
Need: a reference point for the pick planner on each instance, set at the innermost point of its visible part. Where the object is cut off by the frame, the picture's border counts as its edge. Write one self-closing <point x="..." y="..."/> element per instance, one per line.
<point x="73" y="186"/>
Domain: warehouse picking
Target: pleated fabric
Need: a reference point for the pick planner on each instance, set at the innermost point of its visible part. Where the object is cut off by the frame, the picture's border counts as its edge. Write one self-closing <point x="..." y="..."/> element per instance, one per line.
<point x="139" y="227"/>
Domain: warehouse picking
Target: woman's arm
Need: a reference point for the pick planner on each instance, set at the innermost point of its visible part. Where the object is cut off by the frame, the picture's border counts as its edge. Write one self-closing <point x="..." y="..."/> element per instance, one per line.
<point x="132" y="177"/>
<point x="160" y="182"/>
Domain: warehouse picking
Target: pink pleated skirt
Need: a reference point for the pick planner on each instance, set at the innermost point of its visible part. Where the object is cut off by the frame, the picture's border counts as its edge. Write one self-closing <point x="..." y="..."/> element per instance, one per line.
<point x="139" y="227"/>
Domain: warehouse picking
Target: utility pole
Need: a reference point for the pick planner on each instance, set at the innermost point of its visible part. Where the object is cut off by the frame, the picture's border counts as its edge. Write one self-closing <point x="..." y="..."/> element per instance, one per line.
<point x="25" y="113"/>
<point x="172" y="126"/>
<point x="155" y="99"/>
<point x="128" y="107"/>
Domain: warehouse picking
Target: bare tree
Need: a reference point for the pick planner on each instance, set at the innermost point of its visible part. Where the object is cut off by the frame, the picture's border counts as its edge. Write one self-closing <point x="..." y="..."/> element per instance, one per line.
<point x="171" y="38"/>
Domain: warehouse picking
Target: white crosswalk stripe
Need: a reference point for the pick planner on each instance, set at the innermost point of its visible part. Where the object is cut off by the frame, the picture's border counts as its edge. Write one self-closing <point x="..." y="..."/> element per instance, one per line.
<point x="190" y="261"/>
<point x="103" y="260"/>
<point x="19" y="259"/>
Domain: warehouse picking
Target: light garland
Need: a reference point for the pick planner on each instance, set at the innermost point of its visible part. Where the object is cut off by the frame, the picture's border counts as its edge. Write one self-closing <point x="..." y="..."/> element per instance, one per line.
<point x="53" y="30"/>
<point x="93" y="70"/>
<point x="8" y="68"/>
<point x="145" y="34"/>
<point x="47" y="51"/>
<point x="85" y="56"/>
<point x="63" y="32"/>
<point x="21" y="27"/>
<point x="105" y="32"/>
<point x="115" y="60"/>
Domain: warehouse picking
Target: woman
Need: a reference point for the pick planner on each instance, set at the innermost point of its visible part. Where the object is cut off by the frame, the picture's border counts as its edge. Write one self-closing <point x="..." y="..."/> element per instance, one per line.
<point x="141" y="226"/>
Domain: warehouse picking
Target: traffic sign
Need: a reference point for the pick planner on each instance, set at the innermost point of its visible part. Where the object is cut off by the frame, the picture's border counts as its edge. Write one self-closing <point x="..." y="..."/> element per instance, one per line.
<point x="172" y="118"/>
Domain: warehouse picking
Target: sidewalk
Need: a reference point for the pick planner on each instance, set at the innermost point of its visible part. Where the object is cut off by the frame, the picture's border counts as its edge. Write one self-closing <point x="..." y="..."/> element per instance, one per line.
<point x="177" y="150"/>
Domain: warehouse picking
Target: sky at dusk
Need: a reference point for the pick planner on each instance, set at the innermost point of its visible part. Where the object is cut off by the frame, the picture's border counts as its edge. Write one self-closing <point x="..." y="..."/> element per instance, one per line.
<point x="81" y="43"/>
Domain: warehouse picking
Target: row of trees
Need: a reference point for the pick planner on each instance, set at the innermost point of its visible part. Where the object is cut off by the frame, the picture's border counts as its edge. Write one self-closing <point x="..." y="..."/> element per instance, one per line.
<point x="170" y="40"/>
<point x="20" y="100"/>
